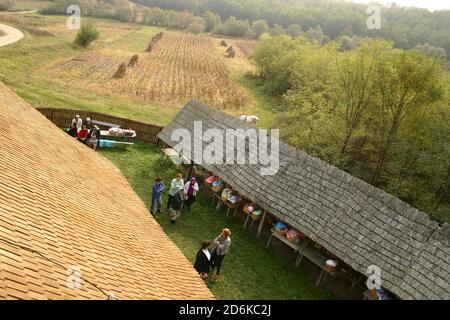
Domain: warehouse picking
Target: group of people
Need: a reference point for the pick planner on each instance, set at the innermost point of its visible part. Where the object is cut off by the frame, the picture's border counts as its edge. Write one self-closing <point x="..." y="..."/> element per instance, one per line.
<point x="205" y="260"/>
<point x="180" y="195"/>
<point x="86" y="132"/>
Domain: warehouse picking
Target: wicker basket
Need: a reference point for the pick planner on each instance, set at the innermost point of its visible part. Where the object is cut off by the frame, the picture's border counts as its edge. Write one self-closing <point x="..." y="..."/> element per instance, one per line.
<point x="255" y="217"/>
<point x="280" y="232"/>
<point x="246" y="209"/>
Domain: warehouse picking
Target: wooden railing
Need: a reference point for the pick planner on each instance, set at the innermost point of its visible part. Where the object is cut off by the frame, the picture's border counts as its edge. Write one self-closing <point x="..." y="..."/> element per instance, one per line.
<point x="62" y="117"/>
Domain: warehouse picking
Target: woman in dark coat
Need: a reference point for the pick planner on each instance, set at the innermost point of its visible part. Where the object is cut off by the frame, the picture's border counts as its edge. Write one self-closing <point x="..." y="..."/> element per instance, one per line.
<point x="202" y="260"/>
<point x="73" y="130"/>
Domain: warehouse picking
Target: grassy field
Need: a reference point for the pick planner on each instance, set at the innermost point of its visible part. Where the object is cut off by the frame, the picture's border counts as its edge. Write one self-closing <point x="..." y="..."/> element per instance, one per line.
<point x="250" y="271"/>
<point x="26" y="67"/>
<point x="31" y="67"/>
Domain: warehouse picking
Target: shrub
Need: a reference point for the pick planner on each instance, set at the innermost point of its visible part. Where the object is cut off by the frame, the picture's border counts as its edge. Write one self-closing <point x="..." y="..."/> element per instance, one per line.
<point x="86" y="34"/>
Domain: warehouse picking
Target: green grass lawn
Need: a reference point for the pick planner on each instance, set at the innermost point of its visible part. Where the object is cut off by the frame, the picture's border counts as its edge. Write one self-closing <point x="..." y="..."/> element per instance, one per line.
<point x="250" y="271"/>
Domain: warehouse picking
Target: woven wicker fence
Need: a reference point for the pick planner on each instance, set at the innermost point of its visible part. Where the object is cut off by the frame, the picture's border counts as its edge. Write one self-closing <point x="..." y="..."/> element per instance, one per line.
<point x="62" y="118"/>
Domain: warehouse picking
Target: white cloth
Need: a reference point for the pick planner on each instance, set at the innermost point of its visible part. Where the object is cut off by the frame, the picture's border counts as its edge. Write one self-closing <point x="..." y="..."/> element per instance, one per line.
<point x="196" y="188"/>
<point x="249" y="119"/>
<point x="175" y="186"/>
<point x="79" y="124"/>
<point x="207" y="253"/>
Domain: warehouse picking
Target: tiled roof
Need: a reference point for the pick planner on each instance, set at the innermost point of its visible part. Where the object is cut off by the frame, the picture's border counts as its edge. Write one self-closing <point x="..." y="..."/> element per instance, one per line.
<point x="62" y="205"/>
<point x="360" y="224"/>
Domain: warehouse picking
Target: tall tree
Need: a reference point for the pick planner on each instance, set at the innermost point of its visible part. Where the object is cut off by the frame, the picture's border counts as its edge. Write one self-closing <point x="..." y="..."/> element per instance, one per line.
<point x="406" y="81"/>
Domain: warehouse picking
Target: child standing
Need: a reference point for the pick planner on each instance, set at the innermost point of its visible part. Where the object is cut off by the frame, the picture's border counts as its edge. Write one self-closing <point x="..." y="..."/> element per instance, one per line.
<point x="156" y="197"/>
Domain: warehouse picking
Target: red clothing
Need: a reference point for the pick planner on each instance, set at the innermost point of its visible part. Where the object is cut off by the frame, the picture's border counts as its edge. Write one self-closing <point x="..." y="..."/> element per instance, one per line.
<point x="83" y="134"/>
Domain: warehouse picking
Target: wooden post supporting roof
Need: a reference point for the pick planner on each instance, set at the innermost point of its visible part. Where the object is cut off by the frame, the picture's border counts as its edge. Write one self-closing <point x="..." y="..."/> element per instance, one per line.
<point x="261" y="223"/>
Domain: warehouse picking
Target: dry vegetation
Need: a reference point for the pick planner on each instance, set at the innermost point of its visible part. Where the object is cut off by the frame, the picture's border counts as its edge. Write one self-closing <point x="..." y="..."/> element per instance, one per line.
<point x="178" y="68"/>
<point x="246" y="46"/>
<point x="31" y="23"/>
<point x="28" y="20"/>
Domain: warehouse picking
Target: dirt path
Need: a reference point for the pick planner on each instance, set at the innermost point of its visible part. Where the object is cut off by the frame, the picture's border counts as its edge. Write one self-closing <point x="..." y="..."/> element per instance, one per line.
<point x="9" y="35"/>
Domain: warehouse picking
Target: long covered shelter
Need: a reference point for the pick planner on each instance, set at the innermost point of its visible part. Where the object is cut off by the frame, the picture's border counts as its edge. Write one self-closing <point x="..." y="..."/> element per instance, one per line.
<point x="358" y="223"/>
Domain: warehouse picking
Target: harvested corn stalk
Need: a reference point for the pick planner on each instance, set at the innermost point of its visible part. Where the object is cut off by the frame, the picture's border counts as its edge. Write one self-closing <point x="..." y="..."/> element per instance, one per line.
<point x="133" y="61"/>
<point x="154" y="40"/>
<point x="121" y="72"/>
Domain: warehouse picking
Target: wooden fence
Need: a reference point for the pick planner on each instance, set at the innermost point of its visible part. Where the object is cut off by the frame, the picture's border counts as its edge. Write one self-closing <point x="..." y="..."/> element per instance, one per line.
<point x="62" y="118"/>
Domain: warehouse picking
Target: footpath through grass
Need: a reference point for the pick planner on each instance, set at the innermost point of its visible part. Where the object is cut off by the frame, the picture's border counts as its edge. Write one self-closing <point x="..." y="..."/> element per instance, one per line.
<point x="250" y="271"/>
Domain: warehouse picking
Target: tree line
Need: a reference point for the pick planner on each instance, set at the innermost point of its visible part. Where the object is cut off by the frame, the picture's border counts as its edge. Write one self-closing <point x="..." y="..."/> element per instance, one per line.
<point x="6" y="4"/>
<point x="406" y="27"/>
<point x="380" y="113"/>
<point x="128" y="12"/>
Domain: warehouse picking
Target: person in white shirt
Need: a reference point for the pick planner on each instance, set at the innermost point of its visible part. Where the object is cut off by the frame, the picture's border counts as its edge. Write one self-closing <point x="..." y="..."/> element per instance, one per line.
<point x="176" y="185"/>
<point x="78" y="122"/>
<point x="191" y="189"/>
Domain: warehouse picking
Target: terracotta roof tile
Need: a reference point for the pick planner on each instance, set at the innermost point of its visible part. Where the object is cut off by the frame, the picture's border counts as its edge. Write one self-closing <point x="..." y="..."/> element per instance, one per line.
<point x="61" y="205"/>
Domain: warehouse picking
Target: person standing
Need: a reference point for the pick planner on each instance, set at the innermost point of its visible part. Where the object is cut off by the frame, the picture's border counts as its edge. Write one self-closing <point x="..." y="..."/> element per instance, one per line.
<point x="176" y="205"/>
<point x="89" y="123"/>
<point x="78" y="122"/>
<point x="94" y="138"/>
<point x="222" y="243"/>
<point x="202" y="260"/>
<point x="191" y="189"/>
<point x="156" y="197"/>
<point x="176" y="185"/>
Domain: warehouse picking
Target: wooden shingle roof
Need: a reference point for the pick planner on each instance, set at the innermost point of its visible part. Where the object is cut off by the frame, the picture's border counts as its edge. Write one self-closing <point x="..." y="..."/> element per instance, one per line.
<point x="62" y="205"/>
<point x="360" y="224"/>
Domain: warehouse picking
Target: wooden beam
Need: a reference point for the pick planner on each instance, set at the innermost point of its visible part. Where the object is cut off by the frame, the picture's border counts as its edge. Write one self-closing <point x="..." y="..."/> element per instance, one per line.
<point x="261" y="223"/>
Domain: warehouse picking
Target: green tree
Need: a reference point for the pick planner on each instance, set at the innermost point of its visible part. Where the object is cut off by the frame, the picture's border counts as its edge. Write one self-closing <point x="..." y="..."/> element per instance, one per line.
<point x="259" y="27"/>
<point x="197" y="26"/>
<point x="234" y="27"/>
<point x="125" y="11"/>
<point x="212" y="21"/>
<point x="277" y="30"/>
<point x="294" y="30"/>
<point x="316" y="34"/>
<point x="432" y="51"/>
<point x="6" y="4"/>
<point x="406" y="82"/>
<point x="355" y="86"/>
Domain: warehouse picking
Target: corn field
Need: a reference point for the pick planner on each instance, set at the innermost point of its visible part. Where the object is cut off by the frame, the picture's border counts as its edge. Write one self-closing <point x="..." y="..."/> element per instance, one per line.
<point x="179" y="67"/>
<point x="91" y="68"/>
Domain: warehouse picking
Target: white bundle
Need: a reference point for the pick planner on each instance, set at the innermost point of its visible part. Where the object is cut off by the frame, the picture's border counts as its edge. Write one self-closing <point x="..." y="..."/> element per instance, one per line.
<point x="249" y="119"/>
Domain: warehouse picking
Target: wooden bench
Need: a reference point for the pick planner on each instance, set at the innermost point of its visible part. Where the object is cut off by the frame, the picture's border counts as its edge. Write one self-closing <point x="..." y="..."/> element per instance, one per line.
<point x="318" y="259"/>
<point x="296" y="246"/>
<point x="301" y="248"/>
<point x="230" y="206"/>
